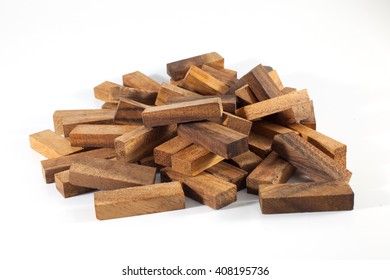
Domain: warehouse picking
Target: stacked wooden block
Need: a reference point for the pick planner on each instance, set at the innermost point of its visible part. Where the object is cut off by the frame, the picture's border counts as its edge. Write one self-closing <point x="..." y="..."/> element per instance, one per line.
<point x="208" y="134"/>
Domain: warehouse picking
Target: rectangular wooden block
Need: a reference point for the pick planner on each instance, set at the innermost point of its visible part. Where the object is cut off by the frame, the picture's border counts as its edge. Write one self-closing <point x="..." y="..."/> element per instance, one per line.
<point x="228" y="101"/>
<point x="216" y="138"/>
<point x="55" y="165"/>
<point x="306" y="197"/>
<point x="129" y="111"/>
<point x="245" y="95"/>
<point x="182" y="112"/>
<point x="66" y="188"/>
<point x="140" y="95"/>
<point x="236" y="123"/>
<point x="110" y="105"/>
<point x="139" y="143"/>
<point x="259" y="144"/>
<point x="105" y="174"/>
<point x="51" y="145"/>
<point x="169" y="91"/>
<point x="272" y="170"/>
<point x="269" y="129"/>
<point x="246" y="161"/>
<point x="224" y="77"/>
<point x="104" y="91"/>
<point x="178" y="69"/>
<point x="70" y="122"/>
<point x="193" y="160"/>
<point x="204" y="188"/>
<point x="164" y="152"/>
<point x="139" y="200"/>
<point x="141" y="81"/>
<point x="311" y="120"/>
<point x="229" y="173"/>
<point x="308" y="158"/>
<point x="276" y="79"/>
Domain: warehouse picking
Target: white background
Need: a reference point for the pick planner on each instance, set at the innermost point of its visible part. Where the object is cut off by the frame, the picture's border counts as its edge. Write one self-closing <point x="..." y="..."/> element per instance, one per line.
<point x="52" y="54"/>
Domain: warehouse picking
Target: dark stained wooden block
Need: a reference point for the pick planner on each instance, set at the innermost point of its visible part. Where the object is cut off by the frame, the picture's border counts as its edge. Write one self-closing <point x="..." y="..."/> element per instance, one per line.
<point x="259" y="144"/>
<point x="236" y="123"/>
<point x="129" y="111"/>
<point x="246" y="161"/>
<point x="229" y="173"/>
<point x="147" y="97"/>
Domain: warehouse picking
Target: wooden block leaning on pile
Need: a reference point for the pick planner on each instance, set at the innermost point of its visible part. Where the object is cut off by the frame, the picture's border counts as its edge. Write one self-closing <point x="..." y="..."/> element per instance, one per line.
<point x="208" y="133"/>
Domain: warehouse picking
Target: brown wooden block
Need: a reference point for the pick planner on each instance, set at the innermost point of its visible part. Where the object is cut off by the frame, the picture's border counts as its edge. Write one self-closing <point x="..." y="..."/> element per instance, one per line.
<point x="216" y="138"/>
<point x="269" y="129"/>
<point x="259" y="144"/>
<point x="245" y="95"/>
<point x="139" y="143"/>
<point x="104" y="174"/>
<point x="306" y="197"/>
<point x="55" y="165"/>
<point x="272" y="170"/>
<point x="224" y="77"/>
<point x="129" y="111"/>
<point x="164" y="152"/>
<point x="70" y="122"/>
<point x="236" y="123"/>
<point x="331" y="147"/>
<point x="98" y="135"/>
<point x="104" y="91"/>
<point x="193" y="160"/>
<point x="311" y="120"/>
<point x="139" y="200"/>
<point x="65" y="187"/>
<point x="51" y="145"/>
<point x="110" y="105"/>
<point x="149" y="161"/>
<point x="182" y="112"/>
<point x="308" y="159"/>
<point x="169" y="91"/>
<point x="141" y="81"/>
<point x="229" y="72"/>
<point x="202" y="82"/>
<point x="275" y="78"/>
<point x="228" y="101"/>
<point x="246" y="161"/>
<point x="204" y="188"/>
<point x="236" y="86"/>
<point x="178" y="69"/>
<point x="140" y="95"/>
<point x="229" y="173"/>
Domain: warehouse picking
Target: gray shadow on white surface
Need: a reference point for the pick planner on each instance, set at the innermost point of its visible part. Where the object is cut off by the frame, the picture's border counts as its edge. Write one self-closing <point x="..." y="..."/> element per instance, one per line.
<point x="159" y="78"/>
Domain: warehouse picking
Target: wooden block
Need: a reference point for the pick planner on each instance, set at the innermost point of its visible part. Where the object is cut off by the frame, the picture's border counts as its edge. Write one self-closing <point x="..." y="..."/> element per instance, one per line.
<point x="227" y="79"/>
<point x="228" y="101"/>
<point x="104" y="91"/>
<point x="51" y="145"/>
<point x="129" y="111"/>
<point x="182" y="112"/>
<point x="308" y="159"/>
<point x="98" y="135"/>
<point x="149" y="161"/>
<point x="105" y="174"/>
<point x="139" y="143"/>
<point x="66" y="188"/>
<point x="236" y="123"/>
<point x="246" y="161"/>
<point x="311" y="120"/>
<point x="70" y="122"/>
<point x="229" y="72"/>
<point x="164" y="152"/>
<point x="334" y="149"/>
<point x="140" y="95"/>
<point x="229" y="173"/>
<point x="272" y="170"/>
<point x="55" y="165"/>
<point x="110" y="105"/>
<point x="193" y="160"/>
<point x="259" y="144"/>
<point x="306" y="197"/>
<point x="269" y="129"/>
<point x="275" y="78"/>
<point x="141" y="81"/>
<point x="216" y="138"/>
<point x="202" y="82"/>
<point x="236" y="86"/>
<point x="169" y="91"/>
<point x="178" y="69"/>
<point x="245" y="95"/>
<point x="271" y="106"/>
<point x="204" y="188"/>
<point x="139" y="200"/>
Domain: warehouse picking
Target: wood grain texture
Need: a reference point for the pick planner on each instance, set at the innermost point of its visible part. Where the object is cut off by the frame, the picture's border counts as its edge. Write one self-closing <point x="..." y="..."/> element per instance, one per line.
<point x="224" y="77"/>
<point x="70" y="122"/>
<point x="311" y="120"/>
<point x="306" y="197"/>
<point x="259" y="144"/>
<point x="178" y="69"/>
<point x="246" y="161"/>
<point x="140" y="95"/>
<point x="110" y="105"/>
<point x="272" y="170"/>
<point x="149" y="161"/>
<point x="164" y="152"/>
<point x="51" y="145"/>
<point x="139" y="80"/>
<point x="65" y="188"/>
<point x="129" y="111"/>
<point x="105" y="174"/>
<point x="55" y="165"/>
<point x="236" y="123"/>
<point x="183" y="112"/>
<point x="228" y="101"/>
<point x="276" y="79"/>
<point x="245" y="95"/>
<point x="216" y="138"/>
<point x="104" y="91"/>
<point x="193" y="160"/>
<point x="204" y="188"/>
<point x="139" y="200"/>
<point x="169" y="91"/>
<point x="98" y="135"/>
<point x="269" y="129"/>
<point x="308" y="159"/>
<point x="229" y="173"/>
<point x="139" y="143"/>
<point x="229" y="72"/>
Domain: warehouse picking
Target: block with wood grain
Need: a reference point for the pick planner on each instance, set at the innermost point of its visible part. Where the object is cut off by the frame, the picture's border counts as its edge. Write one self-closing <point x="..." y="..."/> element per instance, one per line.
<point x="164" y="152"/>
<point x="139" y="80"/>
<point x="229" y="173"/>
<point x="67" y="189"/>
<point x="229" y="102"/>
<point x="169" y="91"/>
<point x="129" y="110"/>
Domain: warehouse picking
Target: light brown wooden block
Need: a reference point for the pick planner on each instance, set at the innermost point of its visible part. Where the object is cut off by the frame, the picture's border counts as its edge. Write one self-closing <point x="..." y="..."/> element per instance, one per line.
<point x="229" y="72"/>
<point x="259" y="144"/>
<point x="272" y="170"/>
<point x="98" y="135"/>
<point x="229" y="173"/>
<point x="169" y="91"/>
<point x="275" y="78"/>
<point x="139" y="201"/>
<point x="246" y="161"/>
<point x="306" y="197"/>
<point x="287" y="90"/>
<point x="216" y="138"/>
<point x="308" y="159"/>
<point x="65" y="187"/>
<point x="182" y="112"/>
<point x="140" y="95"/>
<point x="228" y="101"/>
<point x="245" y="95"/>
<point x="204" y="188"/>
<point x="105" y="174"/>
<point x="70" y="122"/>
<point x="110" y="105"/>
<point x="129" y="111"/>
<point x="55" y="165"/>
<point x="141" y="81"/>
<point x="269" y="129"/>
<point x="311" y="120"/>
<point x="329" y="146"/>
<point x="193" y="160"/>
<point x="104" y="91"/>
<point x="139" y="143"/>
<point x="202" y="82"/>
<point x="51" y="145"/>
<point x="164" y="152"/>
<point x="236" y="123"/>
<point x="227" y="79"/>
<point x="178" y="69"/>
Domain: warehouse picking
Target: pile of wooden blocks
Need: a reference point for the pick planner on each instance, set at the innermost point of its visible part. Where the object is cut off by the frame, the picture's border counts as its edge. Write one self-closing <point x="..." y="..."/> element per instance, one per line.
<point x="208" y="133"/>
